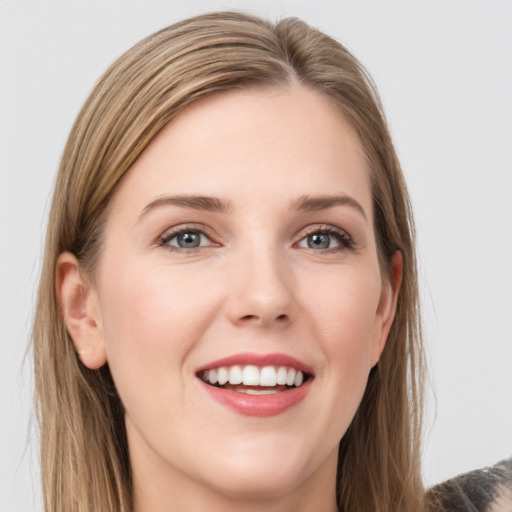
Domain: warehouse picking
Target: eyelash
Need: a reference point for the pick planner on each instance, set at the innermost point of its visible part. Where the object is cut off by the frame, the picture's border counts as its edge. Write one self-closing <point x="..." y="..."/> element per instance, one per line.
<point x="345" y="241"/>
<point x="164" y="240"/>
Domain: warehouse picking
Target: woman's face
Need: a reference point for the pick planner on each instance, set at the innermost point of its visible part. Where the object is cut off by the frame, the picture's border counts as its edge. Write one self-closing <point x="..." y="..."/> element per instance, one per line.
<point x="240" y="246"/>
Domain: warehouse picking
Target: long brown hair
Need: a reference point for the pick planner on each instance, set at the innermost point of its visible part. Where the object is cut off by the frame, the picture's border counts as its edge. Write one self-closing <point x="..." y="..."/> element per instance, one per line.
<point x="85" y="460"/>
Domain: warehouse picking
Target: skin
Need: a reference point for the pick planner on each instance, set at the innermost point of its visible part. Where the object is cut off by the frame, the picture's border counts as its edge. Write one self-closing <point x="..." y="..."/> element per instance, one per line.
<point x="157" y="313"/>
<point x="503" y="503"/>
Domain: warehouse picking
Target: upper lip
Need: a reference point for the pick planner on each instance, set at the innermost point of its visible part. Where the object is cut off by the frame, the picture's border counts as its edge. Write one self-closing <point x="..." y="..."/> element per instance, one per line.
<point x="249" y="358"/>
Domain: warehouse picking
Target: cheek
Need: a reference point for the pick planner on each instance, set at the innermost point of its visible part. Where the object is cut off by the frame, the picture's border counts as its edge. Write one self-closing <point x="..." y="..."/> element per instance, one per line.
<point x="150" y="304"/>
<point x="344" y="317"/>
<point x="151" y="320"/>
<point x="346" y="311"/>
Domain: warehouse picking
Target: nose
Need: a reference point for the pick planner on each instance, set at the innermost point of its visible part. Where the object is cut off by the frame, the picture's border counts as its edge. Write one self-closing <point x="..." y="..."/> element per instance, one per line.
<point x="261" y="290"/>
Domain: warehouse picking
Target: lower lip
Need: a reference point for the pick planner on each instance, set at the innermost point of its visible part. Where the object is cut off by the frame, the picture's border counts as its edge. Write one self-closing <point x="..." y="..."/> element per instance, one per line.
<point x="262" y="406"/>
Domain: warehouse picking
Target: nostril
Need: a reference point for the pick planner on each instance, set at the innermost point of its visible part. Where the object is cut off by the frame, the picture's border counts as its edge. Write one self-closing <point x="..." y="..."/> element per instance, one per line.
<point x="249" y="317"/>
<point x="260" y="319"/>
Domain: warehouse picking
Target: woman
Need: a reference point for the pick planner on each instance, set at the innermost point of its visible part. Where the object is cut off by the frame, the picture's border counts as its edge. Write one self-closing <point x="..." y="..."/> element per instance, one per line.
<point x="227" y="316"/>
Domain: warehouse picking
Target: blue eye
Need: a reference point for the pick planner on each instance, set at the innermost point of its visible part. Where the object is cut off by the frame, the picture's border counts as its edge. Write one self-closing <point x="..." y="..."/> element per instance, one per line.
<point x="319" y="241"/>
<point x="186" y="239"/>
<point x="327" y="238"/>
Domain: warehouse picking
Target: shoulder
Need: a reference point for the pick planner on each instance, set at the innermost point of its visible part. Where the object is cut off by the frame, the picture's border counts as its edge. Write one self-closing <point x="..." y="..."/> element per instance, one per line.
<point x="483" y="490"/>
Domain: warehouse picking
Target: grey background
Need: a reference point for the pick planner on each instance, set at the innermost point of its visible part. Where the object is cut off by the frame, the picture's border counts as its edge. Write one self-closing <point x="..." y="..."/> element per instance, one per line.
<point x="444" y="69"/>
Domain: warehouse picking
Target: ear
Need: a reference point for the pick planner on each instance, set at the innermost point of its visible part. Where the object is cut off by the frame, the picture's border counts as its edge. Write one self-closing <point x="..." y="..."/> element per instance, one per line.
<point x="79" y="304"/>
<point x="387" y="306"/>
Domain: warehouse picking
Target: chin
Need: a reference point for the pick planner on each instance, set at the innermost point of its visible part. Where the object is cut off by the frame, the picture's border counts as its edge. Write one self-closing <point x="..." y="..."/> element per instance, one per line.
<point x="259" y="483"/>
<point x="267" y="474"/>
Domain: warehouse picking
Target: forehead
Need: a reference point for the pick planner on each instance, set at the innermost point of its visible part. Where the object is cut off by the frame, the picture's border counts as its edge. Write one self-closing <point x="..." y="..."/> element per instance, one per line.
<point x="269" y="144"/>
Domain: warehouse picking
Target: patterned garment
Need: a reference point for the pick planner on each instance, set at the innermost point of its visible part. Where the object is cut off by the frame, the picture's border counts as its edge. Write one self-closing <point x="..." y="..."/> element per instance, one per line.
<point x="482" y="490"/>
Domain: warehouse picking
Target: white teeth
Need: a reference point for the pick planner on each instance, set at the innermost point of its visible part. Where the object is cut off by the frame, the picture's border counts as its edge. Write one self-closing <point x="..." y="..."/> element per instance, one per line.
<point x="222" y="375"/>
<point x="268" y="376"/>
<point x="251" y="375"/>
<point x="281" y="376"/>
<point x="252" y="391"/>
<point x="212" y="376"/>
<point x="290" y="380"/>
<point x="235" y="375"/>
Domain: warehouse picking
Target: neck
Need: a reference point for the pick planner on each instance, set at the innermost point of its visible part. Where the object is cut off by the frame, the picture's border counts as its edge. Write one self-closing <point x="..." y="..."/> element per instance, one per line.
<point x="190" y="498"/>
<point x="160" y="487"/>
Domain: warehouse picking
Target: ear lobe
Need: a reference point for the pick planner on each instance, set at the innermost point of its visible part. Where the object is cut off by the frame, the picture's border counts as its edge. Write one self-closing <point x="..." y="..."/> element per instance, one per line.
<point x="79" y="304"/>
<point x="387" y="305"/>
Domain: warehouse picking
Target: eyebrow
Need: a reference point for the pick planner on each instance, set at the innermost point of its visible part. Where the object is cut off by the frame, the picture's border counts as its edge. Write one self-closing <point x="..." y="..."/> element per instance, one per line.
<point x="204" y="203"/>
<point x="313" y="204"/>
<point x="214" y="204"/>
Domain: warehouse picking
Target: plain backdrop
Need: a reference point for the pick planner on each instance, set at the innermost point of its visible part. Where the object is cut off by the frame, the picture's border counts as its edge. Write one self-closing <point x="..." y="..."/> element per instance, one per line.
<point x="444" y="70"/>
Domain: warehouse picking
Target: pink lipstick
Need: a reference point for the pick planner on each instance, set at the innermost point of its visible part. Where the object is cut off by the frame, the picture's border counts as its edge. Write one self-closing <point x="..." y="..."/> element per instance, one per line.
<point x="257" y="384"/>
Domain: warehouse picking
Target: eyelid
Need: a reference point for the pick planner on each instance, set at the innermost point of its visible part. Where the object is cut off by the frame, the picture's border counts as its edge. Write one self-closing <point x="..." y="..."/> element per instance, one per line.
<point x="346" y="240"/>
<point x="321" y="227"/>
<point x="170" y="233"/>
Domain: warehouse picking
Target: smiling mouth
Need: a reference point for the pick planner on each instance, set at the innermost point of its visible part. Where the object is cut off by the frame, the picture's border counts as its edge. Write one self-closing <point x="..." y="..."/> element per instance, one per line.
<point x="254" y="380"/>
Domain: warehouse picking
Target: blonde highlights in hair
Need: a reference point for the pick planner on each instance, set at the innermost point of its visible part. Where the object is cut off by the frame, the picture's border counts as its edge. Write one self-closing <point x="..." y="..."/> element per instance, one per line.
<point x="84" y="453"/>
